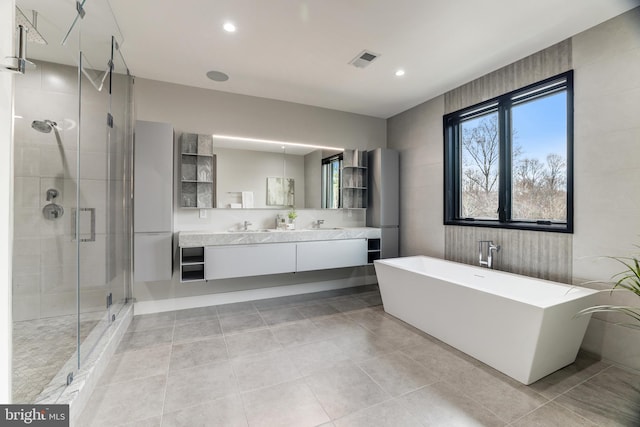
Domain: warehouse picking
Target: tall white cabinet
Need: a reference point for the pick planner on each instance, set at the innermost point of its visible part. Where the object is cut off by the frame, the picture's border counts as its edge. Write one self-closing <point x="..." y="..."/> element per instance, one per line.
<point x="153" y="201"/>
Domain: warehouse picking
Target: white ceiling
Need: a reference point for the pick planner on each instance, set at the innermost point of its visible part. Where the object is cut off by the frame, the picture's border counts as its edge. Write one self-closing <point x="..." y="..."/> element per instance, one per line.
<point x="299" y="50"/>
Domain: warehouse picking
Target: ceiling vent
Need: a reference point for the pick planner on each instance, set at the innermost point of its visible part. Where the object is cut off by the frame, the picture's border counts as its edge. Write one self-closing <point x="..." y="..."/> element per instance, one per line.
<point x="364" y="59"/>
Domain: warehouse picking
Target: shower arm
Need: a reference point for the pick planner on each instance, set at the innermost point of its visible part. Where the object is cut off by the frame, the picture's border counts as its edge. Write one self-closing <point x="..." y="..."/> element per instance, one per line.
<point x="19" y="63"/>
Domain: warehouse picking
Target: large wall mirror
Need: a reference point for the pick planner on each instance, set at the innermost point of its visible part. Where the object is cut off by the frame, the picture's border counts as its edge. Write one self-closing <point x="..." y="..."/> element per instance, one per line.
<point x="262" y="174"/>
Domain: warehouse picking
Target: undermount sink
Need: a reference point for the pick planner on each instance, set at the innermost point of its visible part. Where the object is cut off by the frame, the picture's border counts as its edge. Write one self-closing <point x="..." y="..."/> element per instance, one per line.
<point x="262" y="230"/>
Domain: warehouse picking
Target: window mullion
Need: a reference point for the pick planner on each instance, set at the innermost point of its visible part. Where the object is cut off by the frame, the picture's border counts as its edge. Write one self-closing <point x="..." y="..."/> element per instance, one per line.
<point x="504" y="182"/>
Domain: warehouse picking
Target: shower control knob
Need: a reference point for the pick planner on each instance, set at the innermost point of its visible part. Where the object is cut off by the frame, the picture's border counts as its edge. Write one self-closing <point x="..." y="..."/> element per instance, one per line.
<point x="52" y="211"/>
<point x="52" y="193"/>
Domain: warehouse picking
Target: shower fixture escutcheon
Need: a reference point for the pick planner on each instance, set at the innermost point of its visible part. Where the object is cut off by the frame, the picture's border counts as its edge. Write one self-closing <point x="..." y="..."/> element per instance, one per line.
<point x="52" y="210"/>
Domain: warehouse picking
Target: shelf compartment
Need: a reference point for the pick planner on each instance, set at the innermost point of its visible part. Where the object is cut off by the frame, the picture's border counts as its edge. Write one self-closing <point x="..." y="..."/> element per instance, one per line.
<point x="189" y="143"/>
<point x="354" y="177"/>
<point x="189" y="168"/>
<point x="192" y="255"/>
<point x="204" y="195"/>
<point x="354" y="158"/>
<point x="354" y="198"/>
<point x="372" y="256"/>
<point x="192" y="273"/>
<point x="188" y="195"/>
<point x="373" y="245"/>
<point x="205" y="169"/>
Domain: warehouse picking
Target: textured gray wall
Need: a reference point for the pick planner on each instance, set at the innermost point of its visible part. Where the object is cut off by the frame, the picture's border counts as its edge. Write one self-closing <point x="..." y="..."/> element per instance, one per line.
<point x="530" y="253"/>
<point x="606" y="60"/>
<point x="546" y="63"/>
<point x="417" y="135"/>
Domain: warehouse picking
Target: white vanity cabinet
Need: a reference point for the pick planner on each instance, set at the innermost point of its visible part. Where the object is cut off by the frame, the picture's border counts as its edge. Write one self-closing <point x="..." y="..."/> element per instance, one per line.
<point x="325" y="254"/>
<point x="223" y="255"/>
<point x="222" y="262"/>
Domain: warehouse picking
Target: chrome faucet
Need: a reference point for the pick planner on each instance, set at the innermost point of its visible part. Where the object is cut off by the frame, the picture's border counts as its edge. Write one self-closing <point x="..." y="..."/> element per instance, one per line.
<point x="246" y="225"/>
<point x="487" y="247"/>
<point x="318" y="222"/>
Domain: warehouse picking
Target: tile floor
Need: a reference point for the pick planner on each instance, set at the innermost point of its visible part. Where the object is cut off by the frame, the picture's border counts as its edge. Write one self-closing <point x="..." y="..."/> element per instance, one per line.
<point x="41" y="347"/>
<point x="333" y="359"/>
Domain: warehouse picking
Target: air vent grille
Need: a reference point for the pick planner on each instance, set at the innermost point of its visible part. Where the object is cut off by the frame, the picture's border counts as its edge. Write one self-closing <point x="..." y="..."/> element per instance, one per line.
<point x="364" y="59"/>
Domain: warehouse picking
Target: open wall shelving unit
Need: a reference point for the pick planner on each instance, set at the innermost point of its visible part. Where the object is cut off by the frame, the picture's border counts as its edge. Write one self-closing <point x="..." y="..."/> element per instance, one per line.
<point x="197" y="171"/>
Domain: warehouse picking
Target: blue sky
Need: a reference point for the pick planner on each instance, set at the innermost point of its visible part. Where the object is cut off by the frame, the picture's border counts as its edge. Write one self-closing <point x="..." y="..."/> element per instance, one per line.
<point x="541" y="126"/>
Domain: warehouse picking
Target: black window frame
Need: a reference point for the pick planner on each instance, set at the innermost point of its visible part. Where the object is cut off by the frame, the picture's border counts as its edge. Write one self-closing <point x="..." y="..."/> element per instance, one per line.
<point x="328" y="160"/>
<point x="452" y="157"/>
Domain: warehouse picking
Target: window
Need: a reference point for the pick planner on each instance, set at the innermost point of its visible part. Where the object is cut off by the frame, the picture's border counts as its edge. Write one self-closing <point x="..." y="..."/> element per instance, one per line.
<point x="508" y="161"/>
<point x="331" y="179"/>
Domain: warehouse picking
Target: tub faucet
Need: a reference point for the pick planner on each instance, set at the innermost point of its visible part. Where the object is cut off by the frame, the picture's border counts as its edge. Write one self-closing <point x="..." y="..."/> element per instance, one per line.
<point x="487" y="247"/>
<point x="246" y="225"/>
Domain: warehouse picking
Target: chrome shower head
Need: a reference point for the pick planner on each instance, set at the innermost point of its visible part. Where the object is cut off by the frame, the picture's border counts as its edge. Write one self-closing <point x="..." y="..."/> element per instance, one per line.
<point x="44" y="126"/>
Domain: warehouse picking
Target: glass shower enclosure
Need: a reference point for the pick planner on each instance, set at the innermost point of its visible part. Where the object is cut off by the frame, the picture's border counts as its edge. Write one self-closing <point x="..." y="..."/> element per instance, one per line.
<point x="72" y="206"/>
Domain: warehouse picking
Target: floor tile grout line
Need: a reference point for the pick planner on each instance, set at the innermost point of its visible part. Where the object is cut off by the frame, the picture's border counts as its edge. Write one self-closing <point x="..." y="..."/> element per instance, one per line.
<point x="555" y="399"/>
<point x="237" y="382"/>
<point x="399" y="400"/>
<point x="306" y="382"/>
<point x="166" y="380"/>
<point x="390" y="399"/>
<point x="552" y="401"/>
<point x="264" y="387"/>
<point x="197" y="339"/>
<point x="373" y="380"/>
<point x="482" y="405"/>
<point x="530" y="412"/>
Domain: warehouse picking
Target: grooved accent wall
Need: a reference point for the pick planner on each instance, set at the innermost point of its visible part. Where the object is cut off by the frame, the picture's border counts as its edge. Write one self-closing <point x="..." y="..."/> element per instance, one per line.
<point x="539" y="66"/>
<point x="547" y="255"/>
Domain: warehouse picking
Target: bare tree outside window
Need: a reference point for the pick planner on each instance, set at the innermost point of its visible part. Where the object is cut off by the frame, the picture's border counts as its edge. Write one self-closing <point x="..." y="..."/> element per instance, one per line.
<point x="539" y="182"/>
<point x="538" y="185"/>
<point x="480" y="140"/>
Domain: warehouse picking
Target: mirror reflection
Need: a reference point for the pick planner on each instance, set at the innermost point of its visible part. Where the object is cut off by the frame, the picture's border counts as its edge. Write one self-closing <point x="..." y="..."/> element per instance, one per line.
<point x="269" y="176"/>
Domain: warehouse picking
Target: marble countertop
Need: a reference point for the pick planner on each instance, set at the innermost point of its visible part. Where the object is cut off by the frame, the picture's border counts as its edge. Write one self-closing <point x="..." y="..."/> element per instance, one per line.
<point x="189" y="239"/>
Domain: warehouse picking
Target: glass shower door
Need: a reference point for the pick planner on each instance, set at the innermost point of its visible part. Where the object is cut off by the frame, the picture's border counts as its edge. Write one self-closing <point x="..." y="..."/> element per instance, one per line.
<point x="100" y="204"/>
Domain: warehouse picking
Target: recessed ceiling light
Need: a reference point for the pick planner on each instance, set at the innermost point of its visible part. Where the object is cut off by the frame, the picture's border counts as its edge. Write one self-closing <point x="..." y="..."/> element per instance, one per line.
<point x="217" y="76"/>
<point x="229" y="27"/>
<point x="400" y="73"/>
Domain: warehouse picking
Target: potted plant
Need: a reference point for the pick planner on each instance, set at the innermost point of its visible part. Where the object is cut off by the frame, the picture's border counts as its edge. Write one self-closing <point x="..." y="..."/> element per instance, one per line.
<point x="292" y="218"/>
<point x="627" y="280"/>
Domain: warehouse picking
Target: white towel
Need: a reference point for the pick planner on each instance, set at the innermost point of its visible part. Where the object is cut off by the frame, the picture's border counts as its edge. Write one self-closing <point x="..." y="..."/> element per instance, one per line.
<point x="247" y="199"/>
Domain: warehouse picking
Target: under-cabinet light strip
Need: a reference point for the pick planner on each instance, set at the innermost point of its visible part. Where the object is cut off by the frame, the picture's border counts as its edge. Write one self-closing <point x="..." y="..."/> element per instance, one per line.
<point x="272" y="141"/>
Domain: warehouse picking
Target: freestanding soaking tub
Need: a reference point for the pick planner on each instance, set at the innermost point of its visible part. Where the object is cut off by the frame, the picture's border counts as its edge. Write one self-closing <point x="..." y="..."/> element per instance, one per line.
<point x="521" y="326"/>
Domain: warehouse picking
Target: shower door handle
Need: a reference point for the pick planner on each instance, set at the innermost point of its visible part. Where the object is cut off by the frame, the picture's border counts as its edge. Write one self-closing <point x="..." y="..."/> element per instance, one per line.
<point x="92" y="224"/>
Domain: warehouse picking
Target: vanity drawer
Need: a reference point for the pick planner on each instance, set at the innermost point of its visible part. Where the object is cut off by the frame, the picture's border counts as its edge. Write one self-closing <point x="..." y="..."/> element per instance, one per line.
<point x="331" y="254"/>
<point x="222" y="262"/>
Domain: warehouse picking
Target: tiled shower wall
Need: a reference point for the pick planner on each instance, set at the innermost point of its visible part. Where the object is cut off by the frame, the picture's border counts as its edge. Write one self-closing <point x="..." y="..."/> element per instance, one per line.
<point x="44" y="261"/>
